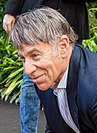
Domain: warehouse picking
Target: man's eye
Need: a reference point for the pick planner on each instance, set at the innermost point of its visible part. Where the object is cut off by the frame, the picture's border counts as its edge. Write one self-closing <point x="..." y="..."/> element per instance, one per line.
<point x="35" y="56"/>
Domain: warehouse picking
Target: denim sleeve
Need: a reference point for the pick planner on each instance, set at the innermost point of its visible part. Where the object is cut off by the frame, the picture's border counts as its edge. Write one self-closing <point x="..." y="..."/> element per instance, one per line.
<point x="29" y="106"/>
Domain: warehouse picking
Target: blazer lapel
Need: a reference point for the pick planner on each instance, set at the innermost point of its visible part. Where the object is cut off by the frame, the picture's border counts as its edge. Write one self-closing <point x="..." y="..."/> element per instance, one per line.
<point x="72" y="85"/>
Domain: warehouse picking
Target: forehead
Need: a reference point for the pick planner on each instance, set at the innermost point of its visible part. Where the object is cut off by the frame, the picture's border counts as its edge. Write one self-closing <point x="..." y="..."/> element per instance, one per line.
<point x="39" y="47"/>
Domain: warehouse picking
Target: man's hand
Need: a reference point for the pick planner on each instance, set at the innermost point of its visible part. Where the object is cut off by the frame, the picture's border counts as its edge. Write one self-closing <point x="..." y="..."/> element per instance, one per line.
<point x="8" y="22"/>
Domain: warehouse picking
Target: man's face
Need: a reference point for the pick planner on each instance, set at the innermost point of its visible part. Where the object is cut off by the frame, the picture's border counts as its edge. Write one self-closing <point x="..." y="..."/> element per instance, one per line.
<point x="43" y="64"/>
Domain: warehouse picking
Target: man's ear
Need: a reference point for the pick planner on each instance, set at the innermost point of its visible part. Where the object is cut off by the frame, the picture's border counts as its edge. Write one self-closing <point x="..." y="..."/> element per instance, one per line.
<point x="64" y="45"/>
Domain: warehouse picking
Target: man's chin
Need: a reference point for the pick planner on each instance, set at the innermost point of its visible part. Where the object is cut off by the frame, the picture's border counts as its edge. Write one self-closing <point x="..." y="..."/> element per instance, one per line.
<point x="43" y="87"/>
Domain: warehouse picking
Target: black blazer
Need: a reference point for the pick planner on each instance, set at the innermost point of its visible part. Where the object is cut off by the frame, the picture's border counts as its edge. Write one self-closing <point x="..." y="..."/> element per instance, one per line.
<point x="81" y="93"/>
<point x="73" y="10"/>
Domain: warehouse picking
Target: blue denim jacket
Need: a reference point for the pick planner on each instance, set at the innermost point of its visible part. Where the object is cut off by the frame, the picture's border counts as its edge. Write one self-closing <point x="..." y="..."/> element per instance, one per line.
<point x="29" y="106"/>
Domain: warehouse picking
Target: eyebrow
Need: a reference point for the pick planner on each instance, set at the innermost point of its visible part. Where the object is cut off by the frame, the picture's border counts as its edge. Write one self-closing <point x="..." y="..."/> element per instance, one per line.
<point x="29" y="52"/>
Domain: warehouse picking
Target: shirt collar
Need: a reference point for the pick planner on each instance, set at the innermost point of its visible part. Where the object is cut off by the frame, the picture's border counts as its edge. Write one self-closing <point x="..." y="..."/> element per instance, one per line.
<point x="63" y="81"/>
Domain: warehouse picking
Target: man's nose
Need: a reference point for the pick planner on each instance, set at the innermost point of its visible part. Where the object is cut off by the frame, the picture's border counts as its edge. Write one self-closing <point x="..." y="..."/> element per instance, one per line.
<point x="29" y="67"/>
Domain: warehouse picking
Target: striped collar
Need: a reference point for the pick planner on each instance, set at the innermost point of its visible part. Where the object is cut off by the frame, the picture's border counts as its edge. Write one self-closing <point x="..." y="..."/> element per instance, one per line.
<point x="63" y="81"/>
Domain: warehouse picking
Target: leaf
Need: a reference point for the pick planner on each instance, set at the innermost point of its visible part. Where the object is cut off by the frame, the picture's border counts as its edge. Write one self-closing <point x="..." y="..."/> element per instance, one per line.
<point x="15" y="73"/>
<point x="12" y="87"/>
<point x="14" y="97"/>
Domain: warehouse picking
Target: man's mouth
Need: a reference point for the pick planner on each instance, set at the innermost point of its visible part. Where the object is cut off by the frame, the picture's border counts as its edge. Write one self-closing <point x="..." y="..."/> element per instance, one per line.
<point x="39" y="79"/>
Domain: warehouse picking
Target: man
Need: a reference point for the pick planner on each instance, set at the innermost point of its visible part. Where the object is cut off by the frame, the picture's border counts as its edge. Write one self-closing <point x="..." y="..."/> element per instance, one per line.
<point x="66" y="74"/>
<point x="72" y="10"/>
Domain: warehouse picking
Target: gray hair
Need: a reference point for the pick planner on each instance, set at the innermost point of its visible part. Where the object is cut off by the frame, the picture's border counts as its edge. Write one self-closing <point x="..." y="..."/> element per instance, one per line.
<point x="43" y="24"/>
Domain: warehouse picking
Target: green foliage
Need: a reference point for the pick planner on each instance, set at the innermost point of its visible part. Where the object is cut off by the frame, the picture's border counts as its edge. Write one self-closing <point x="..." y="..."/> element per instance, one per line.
<point x="91" y="43"/>
<point x="10" y="65"/>
<point x="2" y="6"/>
<point x="92" y="13"/>
<point x="10" y="71"/>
